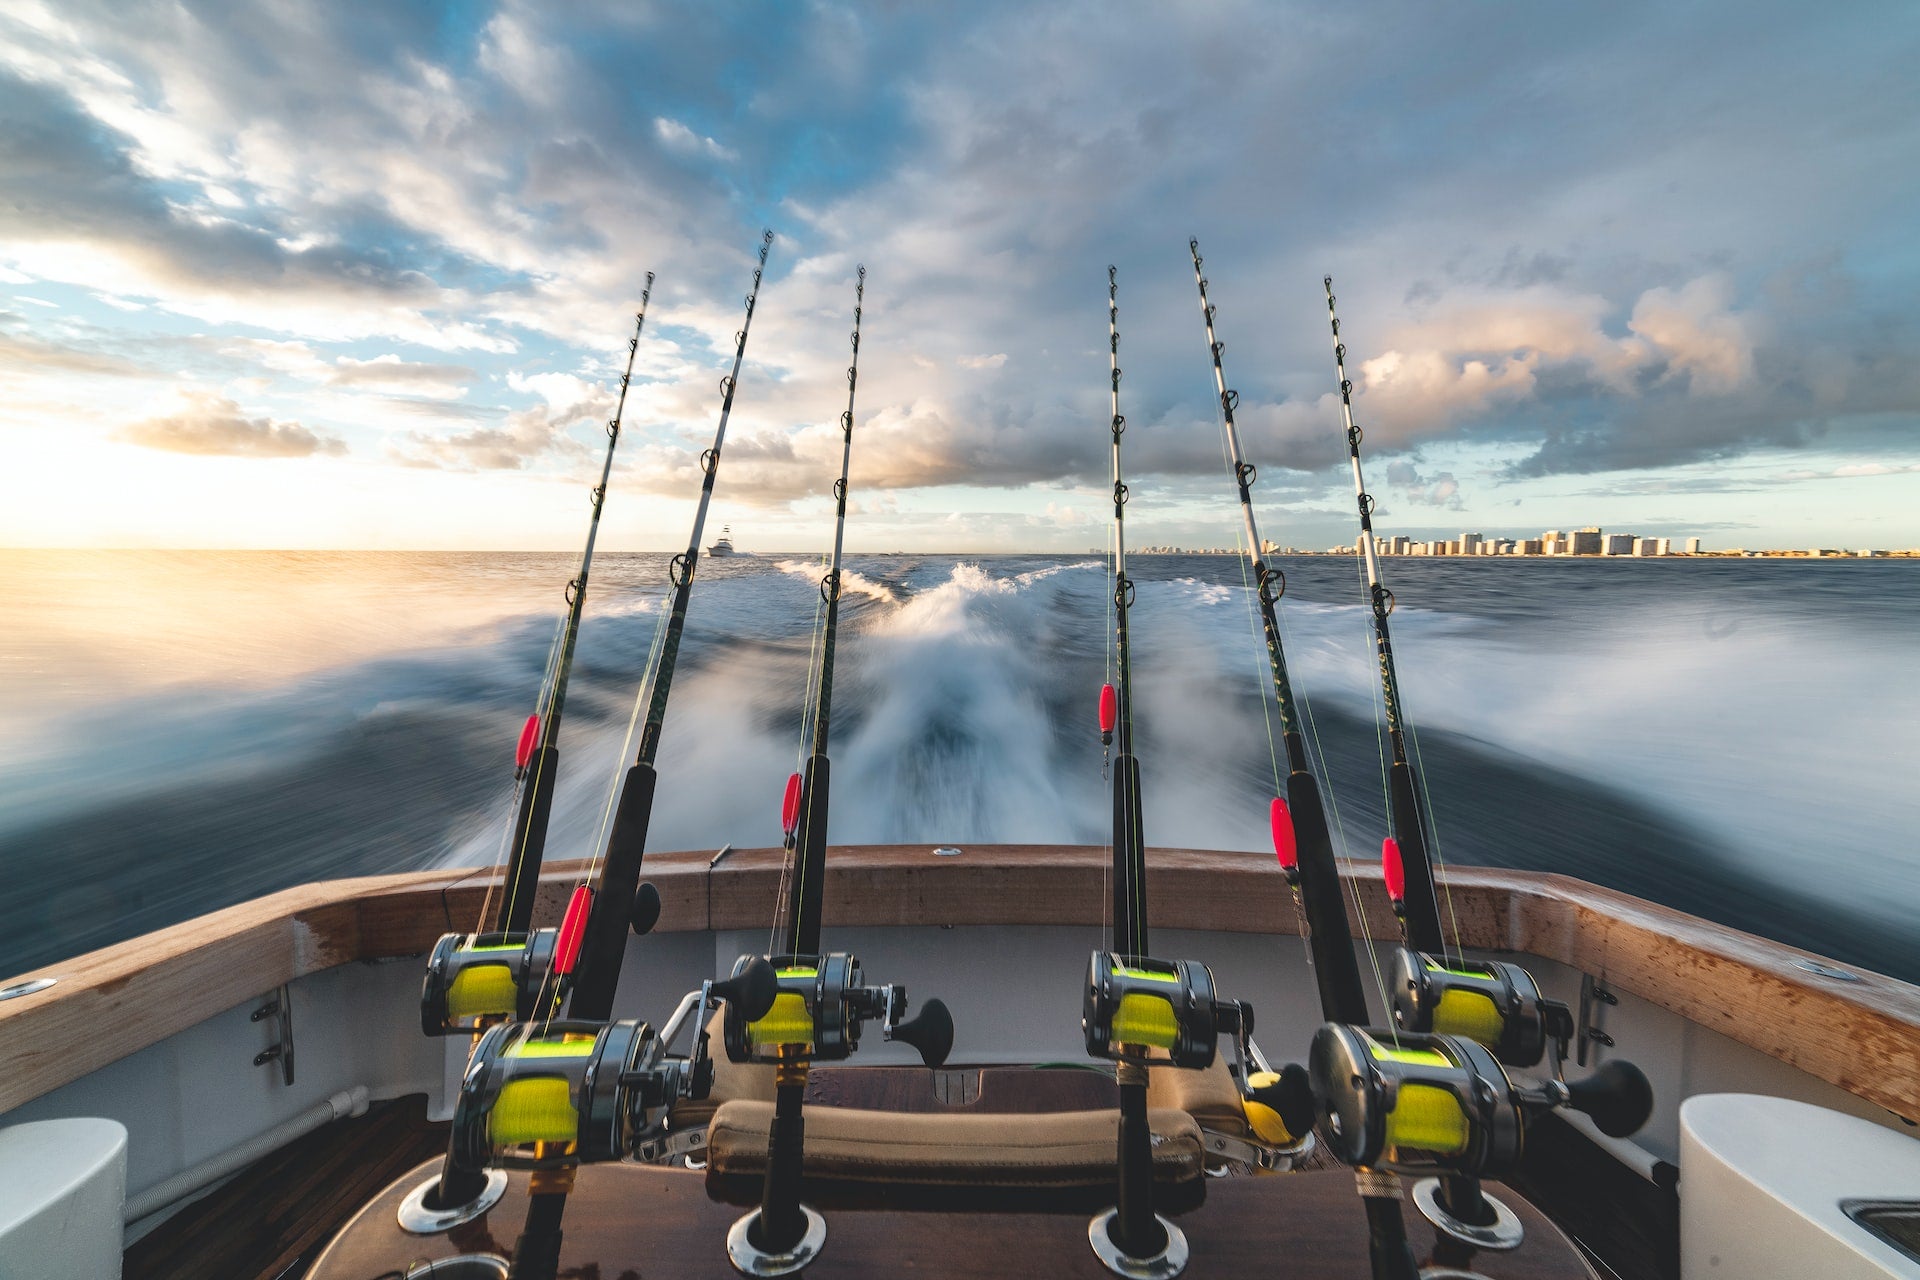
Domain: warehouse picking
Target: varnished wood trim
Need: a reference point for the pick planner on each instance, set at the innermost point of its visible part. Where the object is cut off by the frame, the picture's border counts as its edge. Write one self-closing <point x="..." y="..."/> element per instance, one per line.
<point x="1863" y="1036"/>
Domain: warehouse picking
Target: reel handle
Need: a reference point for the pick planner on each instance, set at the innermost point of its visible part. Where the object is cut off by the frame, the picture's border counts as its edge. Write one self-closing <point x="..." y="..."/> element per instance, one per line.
<point x="752" y="990"/>
<point x="1618" y="1098"/>
<point x="646" y="909"/>
<point x="930" y="1031"/>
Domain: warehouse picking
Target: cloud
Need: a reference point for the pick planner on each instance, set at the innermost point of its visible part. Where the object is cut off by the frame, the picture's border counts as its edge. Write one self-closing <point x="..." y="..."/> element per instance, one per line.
<point x="1438" y="490"/>
<point x="524" y="438"/>
<point x="19" y="354"/>
<point x="677" y="137"/>
<point x="1697" y="334"/>
<point x="211" y="425"/>
<point x="1622" y="257"/>
<point x="391" y="373"/>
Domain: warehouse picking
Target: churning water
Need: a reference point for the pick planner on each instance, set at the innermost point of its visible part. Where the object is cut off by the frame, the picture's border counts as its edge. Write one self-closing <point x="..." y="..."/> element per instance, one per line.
<point x="187" y="730"/>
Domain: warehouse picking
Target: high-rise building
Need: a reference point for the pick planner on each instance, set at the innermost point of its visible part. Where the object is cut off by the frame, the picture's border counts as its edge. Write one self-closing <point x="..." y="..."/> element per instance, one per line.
<point x="1533" y="547"/>
<point x="1663" y="546"/>
<point x="1401" y="545"/>
<point x="1469" y="544"/>
<point x="1693" y="546"/>
<point x="1646" y="546"/>
<point x="1584" y="542"/>
<point x="1618" y="544"/>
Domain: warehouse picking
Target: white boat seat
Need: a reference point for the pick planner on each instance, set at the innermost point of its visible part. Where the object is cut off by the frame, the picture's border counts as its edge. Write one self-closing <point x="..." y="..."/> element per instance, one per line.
<point x="62" y="1187"/>
<point x="1766" y="1184"/>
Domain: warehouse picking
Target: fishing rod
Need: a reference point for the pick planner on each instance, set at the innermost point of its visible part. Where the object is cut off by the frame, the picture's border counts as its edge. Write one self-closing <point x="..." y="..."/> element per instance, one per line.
<point x="1302" y="841"/>
<point x="1404" y="851"/>
<point x="474" y="979"/>
<point x="605" y="940"/>
<point x="1143" y="1013"/>
<point x="1404" y="847"/>
<point x="1129" y="841"/>
<point x="538" y="758"/>
<point x="613" y="898"/>
<point x="823" y="998"/>
<point x="805" y="811"/>
<point x="1440" y="1086"/>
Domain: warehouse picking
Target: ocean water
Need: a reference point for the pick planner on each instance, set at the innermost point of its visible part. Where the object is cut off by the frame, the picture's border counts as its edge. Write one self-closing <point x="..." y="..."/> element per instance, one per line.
<point x="186" y="730"/>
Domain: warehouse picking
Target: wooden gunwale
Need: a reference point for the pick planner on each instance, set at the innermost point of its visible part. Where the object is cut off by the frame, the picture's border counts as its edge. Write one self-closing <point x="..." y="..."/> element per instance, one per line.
<point x="1861" y="1036"/>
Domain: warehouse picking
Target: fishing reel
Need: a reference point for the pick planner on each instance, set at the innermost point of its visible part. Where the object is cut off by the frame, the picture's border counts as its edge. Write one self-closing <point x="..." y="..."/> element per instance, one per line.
<point x="1496" y="1004"/>
<point x="1441" y="1103"/>
<point x="1135" y="1004"/>
<point x="820" y="1007"/>
<point x="542" y="1095"/>
<point x="476" y="979"/>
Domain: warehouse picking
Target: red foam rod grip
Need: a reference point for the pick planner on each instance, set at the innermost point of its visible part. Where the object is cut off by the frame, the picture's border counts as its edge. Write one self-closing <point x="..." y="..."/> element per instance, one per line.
<point x="1396" y="873"/>
<point x="573" y="930"/>
<point x="1285" y="847"/>
<point x="790" y="805"/>
<point x="529" y="735"/>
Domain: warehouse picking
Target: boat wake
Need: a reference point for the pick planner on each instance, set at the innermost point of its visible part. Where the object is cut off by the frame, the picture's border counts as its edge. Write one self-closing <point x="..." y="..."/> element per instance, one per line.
<point x="1620" y="748"/>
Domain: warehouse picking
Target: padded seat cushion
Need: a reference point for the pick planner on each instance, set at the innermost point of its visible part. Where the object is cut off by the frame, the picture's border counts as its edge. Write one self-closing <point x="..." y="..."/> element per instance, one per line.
<point x="1210" y="1095"/>
<point x="1062" y="1149"/>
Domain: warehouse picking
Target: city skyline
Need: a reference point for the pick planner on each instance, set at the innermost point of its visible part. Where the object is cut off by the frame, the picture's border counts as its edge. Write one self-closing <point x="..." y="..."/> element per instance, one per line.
<point x="243" y="304"/>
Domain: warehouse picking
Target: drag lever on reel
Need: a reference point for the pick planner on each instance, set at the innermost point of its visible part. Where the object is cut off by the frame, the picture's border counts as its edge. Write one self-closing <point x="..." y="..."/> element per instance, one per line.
<point x="1442" y="1104"/>
<point x="554" y="1094"/>
<point x="816" y="1016"/>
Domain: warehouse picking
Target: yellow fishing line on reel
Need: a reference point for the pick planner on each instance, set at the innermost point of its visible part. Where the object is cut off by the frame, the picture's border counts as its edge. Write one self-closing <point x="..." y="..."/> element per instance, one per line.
<point x="788" y="1022"/>
<point x="482" y="990"/>
<point x="536" y="1110"/>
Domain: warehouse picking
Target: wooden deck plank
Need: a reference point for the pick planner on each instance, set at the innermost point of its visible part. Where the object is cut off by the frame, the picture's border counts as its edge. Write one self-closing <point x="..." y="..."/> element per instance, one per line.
<point x="272" y="1219"/>
<point x="632" y="1220"/>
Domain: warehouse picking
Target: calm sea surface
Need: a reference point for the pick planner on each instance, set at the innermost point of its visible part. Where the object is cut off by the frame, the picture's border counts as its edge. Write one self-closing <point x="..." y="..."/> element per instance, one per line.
<point x="186" y="730"/>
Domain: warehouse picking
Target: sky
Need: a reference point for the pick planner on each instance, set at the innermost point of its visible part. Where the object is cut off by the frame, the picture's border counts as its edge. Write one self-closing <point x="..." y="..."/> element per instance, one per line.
<point x="306" y="273"/>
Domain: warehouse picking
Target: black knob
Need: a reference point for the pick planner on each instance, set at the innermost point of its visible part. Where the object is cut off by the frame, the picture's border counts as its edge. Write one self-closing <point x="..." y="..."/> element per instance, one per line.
<point x="930" y="1031"/>
<point x="752" y="989"/>
<point x="1617" y="1097"/>
<point x="1291" y="1098"/>
<point x="646" y="909"/>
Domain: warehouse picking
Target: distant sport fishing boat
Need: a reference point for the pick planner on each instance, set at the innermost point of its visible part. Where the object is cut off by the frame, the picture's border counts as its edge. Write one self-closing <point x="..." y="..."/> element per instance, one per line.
<point x="723" y="545"/>
<point x="152" y="1117"/>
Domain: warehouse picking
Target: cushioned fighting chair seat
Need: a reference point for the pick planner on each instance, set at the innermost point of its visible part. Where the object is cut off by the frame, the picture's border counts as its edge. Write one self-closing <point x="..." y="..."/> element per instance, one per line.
<point x="1066" y="1158"/>
<point x="1067" y="1149"/>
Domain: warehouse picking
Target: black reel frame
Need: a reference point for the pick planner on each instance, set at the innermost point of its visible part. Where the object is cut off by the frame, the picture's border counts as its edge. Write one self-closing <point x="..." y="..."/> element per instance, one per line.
<point x="527" y="956"/>
<point x="831" y="989"/>
<point x="1382" y="1098"/>
<point x="1461" y="997"/>
<point x="622" y="1079"/>
<point x="1120" y="1015"/>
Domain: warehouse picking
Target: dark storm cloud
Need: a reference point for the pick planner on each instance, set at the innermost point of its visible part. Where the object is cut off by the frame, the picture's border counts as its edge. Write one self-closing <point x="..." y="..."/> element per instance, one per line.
<point x="212" y="425"/>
